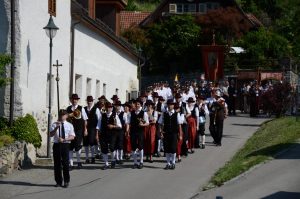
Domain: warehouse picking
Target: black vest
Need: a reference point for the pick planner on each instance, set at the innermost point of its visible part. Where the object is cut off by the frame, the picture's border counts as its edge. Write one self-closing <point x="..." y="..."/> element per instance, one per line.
<point x="135" y="121"/>
<point x="170" y="123"/>
<point x="92" y="117"/>
<point x="194" y="111"/>
<point x="77" y="123"/>
<point x="106" y="121"/>
<point x="183" y="108"/>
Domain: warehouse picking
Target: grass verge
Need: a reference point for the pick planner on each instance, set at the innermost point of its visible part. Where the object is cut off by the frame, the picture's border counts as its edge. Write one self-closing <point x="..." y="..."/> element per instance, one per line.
<point x="271" y="138"/>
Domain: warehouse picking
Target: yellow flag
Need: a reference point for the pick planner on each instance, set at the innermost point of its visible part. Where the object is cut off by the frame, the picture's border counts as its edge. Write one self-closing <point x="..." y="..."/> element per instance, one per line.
<point x="176" y="78"/>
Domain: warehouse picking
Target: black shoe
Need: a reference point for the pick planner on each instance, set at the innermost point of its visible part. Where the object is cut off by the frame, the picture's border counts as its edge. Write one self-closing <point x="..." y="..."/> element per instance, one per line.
<point x="150" y="161"/>
<point x="179" y="160"/>
<point x="113" y="164"/>
<point x="117" y="161"/>
<point x="66" y="185"/>
<point x="172" y="167"/>
<point x="105" y="167"/>
<point x="167" y="167"/>
<point x="87" y="161"/>
<point x="158" y="155"/>
<point x="135" y="166"/>
<point x="58" y="185"/>
<point x="197" y="147"/>
<point x="121" y="162"/>
<point x="203" y="146"/>
<point x="140" y="166"/>
<point x="79" y="165"/>
<point x="93" y="161"/>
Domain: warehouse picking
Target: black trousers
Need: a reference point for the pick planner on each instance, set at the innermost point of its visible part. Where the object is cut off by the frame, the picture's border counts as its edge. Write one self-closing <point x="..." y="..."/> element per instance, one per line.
<point x="76" y="144"/>
<point x="90" y="139"/>
<point x="201" y="132"/>
<point x="116" y="140"/>
<point x="170" y="142"/>
<point x="219" y="131"/>
<point x="137" y="138"/>
<point x="61" y="160"/>
<point x="212" y="128"/>
<point x="104" y="142"/>
<point x="184" y="148"/>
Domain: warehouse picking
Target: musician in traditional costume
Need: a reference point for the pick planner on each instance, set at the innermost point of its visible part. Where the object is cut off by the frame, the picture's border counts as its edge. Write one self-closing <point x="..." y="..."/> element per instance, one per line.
<point x="121" y="133"/>
<point x="184" y="126"/>
<point x="218" y="112"/>
<point x="192" y="118"/>
<point x="170" y="123"/>
<point x="77" y="117"/>
<point x="90" y="141"/>
<point x="127" y="144"/>
<point x="150" y="131"/>
<point x="138" y="122"/>
<point x="109" y="133"/>
<point x="203" y="111"/>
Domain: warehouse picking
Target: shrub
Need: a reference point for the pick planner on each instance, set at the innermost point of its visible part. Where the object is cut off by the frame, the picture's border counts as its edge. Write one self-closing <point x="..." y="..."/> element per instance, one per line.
<point x="25" y="129"/>
<point x="6" y="140"/>
<point x="3" y="123"/>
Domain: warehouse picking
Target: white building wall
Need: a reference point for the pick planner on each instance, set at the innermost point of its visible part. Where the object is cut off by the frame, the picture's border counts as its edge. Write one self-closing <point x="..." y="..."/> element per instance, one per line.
<point x="34" y="58"/>
<point x="99" y="59"/>
<point x="95" y="58"/>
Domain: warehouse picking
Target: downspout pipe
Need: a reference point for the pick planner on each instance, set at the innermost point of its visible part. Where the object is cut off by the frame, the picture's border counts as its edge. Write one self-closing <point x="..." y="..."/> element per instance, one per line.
<point x="72" y="57"/>
<point x="13" y="56"/>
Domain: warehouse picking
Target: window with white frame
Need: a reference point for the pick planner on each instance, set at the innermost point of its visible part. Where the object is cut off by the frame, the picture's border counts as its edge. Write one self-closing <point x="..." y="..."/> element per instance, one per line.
<point x="186" y="8"/>
<point x="88" y="86"/>
<point x="97" y="88"/>
<point x="78" y="84"/>
<point x="104" y="89"/>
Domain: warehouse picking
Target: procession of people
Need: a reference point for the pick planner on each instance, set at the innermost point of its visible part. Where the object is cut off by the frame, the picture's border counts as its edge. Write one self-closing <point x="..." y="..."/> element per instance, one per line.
<point x="160" y="122"/>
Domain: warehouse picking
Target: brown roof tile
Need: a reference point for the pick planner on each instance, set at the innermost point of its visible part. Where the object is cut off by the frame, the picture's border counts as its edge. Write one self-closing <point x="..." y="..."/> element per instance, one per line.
<point x="132" y="18"/>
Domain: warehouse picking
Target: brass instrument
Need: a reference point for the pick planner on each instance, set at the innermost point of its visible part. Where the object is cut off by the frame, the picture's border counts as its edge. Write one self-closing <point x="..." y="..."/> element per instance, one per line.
<point x="75" y="115"/>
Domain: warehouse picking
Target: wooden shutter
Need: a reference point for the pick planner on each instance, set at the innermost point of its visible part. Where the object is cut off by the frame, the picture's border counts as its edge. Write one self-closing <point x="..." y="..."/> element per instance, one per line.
<point x="52" y="7"/>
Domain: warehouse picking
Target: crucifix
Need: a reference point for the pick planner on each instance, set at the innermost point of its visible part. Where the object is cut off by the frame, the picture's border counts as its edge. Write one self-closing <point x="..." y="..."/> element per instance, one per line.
<point x="57" y="80"/>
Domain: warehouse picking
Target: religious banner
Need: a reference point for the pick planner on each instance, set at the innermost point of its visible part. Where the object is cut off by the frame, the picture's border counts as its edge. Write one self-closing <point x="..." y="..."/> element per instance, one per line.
<point x="213" y="61"/>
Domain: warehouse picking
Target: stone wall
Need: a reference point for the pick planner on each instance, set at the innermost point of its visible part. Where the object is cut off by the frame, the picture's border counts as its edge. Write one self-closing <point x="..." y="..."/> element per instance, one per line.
<point x="16" y="156"/>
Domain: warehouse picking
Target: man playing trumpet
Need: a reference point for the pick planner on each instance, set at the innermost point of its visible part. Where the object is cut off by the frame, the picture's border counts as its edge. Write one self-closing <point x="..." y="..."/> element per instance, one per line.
<point x="78" y="118"/>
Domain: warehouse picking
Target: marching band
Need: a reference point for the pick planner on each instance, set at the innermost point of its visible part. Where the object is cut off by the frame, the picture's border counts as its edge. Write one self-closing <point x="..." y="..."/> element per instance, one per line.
<point x="158" y="121"/>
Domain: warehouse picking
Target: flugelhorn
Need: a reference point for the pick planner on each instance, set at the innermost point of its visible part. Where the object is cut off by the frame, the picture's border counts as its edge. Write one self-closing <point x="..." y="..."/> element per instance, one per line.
<point x="76" y="114"/>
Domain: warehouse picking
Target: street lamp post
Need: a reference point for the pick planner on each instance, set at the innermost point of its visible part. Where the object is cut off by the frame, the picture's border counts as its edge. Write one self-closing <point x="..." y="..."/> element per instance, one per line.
<point x="51" y="30"/>
<point x="140" y="69"/>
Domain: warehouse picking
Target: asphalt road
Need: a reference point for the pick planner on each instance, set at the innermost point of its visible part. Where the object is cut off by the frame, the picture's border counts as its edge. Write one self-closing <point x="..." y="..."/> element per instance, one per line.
<point x="277" y="179"/>
<point x="123" y="182"/>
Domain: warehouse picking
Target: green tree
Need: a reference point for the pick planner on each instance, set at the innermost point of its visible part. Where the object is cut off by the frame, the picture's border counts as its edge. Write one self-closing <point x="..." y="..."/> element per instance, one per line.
<point x="173" y="41"/>
<point x="4" y="61"/>
<point x="264" y="48"/>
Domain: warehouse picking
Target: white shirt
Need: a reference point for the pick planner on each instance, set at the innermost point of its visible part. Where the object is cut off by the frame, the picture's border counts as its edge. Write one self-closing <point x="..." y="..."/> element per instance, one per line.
<point x="83" y="113"/>
<point x="154" y="116"/>
<point x="179" y="119"/>
<point x="125" y="117"/>
<point x="119" y="124"/>
<point x="190" y="109"/>
<point x="69" y="131"/>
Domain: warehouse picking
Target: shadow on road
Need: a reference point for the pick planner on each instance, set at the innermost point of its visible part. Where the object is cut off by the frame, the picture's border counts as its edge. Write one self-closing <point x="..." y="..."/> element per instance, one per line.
<point x="253" y="125"/>
<point x="283" y="194"/>
<point x="25" y="184"/>
<point x="292" y="152"/>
